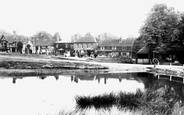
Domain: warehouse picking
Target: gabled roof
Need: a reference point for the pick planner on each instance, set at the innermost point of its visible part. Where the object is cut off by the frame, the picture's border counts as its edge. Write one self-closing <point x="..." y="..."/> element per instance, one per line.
<point x="144" y="50"/>
<point x="117" y="42"/>
<point x="86" y="39"/>
<point x="18" y="38"/>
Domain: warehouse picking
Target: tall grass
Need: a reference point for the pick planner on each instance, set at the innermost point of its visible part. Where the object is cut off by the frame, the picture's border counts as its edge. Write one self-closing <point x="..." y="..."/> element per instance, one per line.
<point x="152" y="101"/>
<point x="104" y="101"/>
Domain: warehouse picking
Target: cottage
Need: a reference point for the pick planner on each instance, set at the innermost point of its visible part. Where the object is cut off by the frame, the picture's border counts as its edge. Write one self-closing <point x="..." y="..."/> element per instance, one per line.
<point x="116" y="47"/>
<point x="9" y="42"/>
<point x="63" y="48"/>
<point x="144" y="55"/>
<point x="44" y="46"/>
<point x="85" y="45"/>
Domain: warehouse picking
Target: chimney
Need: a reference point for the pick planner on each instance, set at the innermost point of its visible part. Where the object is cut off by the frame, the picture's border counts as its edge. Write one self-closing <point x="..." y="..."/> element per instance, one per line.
<point x="72" y="38"/>
<point x="14" y="35"/>
<point x="76" y="37"/>
<point x="120" y="40"/>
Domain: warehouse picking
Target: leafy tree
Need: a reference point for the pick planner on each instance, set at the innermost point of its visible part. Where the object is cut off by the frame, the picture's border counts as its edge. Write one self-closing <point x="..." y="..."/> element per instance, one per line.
<point x="160" y="26"/>
<point x="57" y="37"/>
<point x="177" y="42"/>
<point x="19" y="47"/>
<point x="138" y="44"/>
<point x="43" y="35"/>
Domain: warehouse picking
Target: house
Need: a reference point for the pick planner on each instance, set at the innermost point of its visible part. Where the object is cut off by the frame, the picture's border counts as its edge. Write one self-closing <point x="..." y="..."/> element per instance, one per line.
<point x="115" y="47"/>
<point x="63" y="48"/>
<point x="3" y="44"/>
<point x="144" y="55"/>
<point x="9" y="42"/>
<point x="84" y="45"/>
<point x="150" y="51"/>
<point x="44" y="46"/>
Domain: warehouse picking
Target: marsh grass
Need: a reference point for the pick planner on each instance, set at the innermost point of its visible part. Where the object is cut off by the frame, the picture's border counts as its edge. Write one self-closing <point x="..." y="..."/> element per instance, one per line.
<point x="152" y="101"/>
<point x="104" y="101"/>
<point x="129" y="101"/>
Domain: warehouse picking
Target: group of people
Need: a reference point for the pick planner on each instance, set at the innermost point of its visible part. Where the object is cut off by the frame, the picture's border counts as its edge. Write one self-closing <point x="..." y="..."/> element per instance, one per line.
<point x="82" y="53"/>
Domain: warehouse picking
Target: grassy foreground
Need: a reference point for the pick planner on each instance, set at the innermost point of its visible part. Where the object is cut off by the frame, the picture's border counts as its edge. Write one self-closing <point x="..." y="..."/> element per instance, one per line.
<point x="149" y="102"/>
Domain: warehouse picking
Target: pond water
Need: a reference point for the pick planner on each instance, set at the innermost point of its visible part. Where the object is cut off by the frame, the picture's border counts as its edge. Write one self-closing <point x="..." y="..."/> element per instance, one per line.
<point x="43" y="95"/>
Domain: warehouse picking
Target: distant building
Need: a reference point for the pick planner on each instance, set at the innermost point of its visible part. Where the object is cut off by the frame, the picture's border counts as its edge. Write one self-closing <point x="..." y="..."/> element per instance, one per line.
<point x="44" y="45"/>
<point x="84" y="45"/>
<point x="9" y="42"/>
<point x="115" y="47"/>
<point x="63" y="48"/>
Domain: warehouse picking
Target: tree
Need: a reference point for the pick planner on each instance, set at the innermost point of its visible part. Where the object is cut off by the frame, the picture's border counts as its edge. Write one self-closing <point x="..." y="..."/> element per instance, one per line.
<point x="160" y="27"/>
<point x="57" y="37"/>
<point x="138" y="44"/>
<point x="19" y="47"/>
<point x="43" y="35"/>
<point x="177" y="42"/>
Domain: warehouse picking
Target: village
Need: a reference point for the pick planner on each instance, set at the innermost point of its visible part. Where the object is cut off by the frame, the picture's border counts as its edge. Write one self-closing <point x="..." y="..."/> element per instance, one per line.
<point x="105" y="45"/>
<point x="80" y="46"/>
<point x="90" y="57"/>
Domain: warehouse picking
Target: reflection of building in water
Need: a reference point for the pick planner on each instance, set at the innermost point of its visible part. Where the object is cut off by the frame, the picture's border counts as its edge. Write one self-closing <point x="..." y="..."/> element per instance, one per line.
<point x="144" y="78"/>
<point x="42" y="77"/>
<point x="98" y="80"/>
<point x="74" y="78"/>
<point x="105" y="80"/>
<point x="120" y="78"/>
<point x="56" y="76"/>
<point x="14" y="80"/>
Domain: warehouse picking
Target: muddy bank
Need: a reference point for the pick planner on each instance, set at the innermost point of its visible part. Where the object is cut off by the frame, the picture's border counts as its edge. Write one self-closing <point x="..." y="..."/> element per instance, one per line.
<point x="36" y="68"/>
<point x="48" y="65"/>
<point x="48" y="72"/>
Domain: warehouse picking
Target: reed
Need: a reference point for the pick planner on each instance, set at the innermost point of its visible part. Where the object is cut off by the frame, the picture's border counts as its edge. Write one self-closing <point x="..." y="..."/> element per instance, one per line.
<point x="104" y="101"/>
<point x="150" y="102"/>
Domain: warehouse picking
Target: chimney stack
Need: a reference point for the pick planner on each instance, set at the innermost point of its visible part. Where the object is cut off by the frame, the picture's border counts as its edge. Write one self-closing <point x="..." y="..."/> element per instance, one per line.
<point x="120" y="40"/>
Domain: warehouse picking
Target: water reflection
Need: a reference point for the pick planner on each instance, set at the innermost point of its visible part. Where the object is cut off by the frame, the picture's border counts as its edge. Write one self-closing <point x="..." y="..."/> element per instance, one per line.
<point x="42" y="77"/>
<point x="14" y="80"/>
<point x="53" y="93"/>
<point x="56" y="77"/>
<point x="139" y="77"/>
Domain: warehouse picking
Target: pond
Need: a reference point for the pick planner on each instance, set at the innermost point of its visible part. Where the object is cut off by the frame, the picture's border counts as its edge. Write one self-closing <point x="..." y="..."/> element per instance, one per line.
<point x="43" y="95"/>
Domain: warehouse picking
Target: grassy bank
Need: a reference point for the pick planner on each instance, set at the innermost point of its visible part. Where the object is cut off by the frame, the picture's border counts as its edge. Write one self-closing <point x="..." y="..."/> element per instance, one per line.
<point x="149" y="102"/>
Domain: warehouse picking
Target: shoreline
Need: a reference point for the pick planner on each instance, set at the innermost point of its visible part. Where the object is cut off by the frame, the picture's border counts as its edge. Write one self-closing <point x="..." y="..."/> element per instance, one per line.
<point x="34" y="65"/>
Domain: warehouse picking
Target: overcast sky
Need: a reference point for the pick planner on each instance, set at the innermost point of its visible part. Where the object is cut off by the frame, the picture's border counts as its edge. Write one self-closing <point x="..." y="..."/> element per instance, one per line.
<point x="117" y="17"/>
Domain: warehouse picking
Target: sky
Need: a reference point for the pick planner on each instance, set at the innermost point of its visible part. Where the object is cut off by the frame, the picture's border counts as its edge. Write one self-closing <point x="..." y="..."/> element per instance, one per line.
<point x="122" y="18"/>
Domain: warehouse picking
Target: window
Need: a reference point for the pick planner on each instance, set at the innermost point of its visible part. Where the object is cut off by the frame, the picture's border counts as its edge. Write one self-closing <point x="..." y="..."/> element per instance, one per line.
<point x="114" y="48"/>
<point x="57" y="45"/>
<point x="80" y="46"/>
<point x="123" y="47"/>
<point x="75" y="45"/>
<point x="127" y="54"/>
<point x="66" y="45"/>
<point x="123" y="53"/>
<point x="89" y="45"/>
<point x="128" y="47"/>
<point x="102" y="48"/>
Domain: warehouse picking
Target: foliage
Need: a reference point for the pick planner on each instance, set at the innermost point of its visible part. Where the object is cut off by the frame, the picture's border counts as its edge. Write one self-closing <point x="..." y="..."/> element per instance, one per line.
<point x="152" y="101"/>
<point x="19" y="47"/>
<point x="138" y="44"/>
<point x="43" y="35"/>
<point x="160" y="27"/>
<point x="57" y="37"/>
